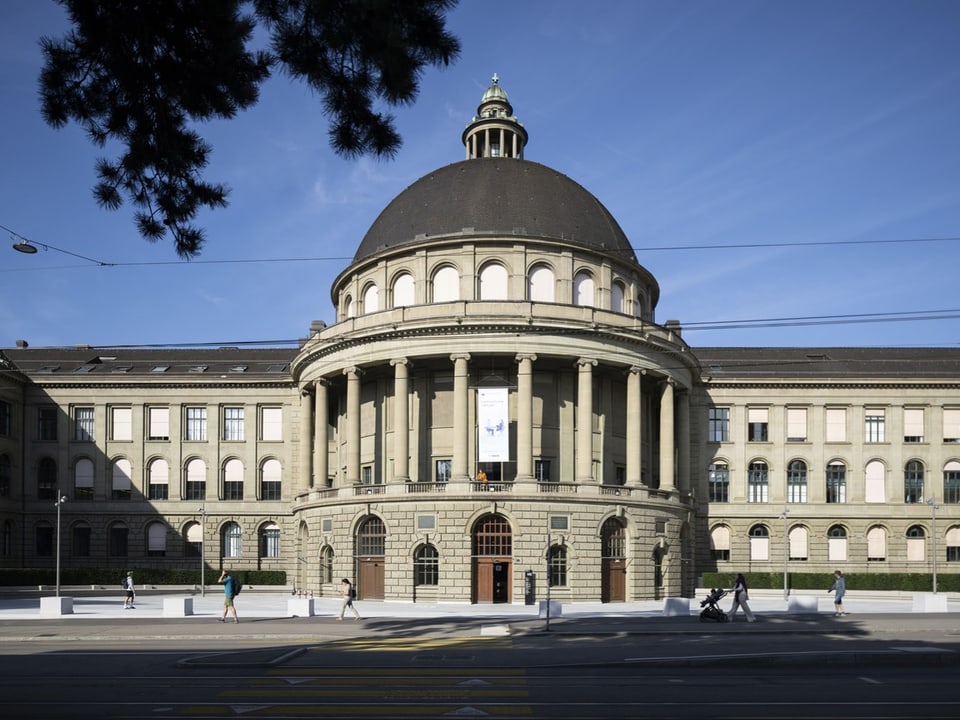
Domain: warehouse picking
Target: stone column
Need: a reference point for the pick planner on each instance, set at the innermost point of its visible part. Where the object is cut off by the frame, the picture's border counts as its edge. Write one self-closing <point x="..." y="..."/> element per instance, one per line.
<point x="305" y="481"/>
<point x="352" y="476"/>
<point x="634" y="426"/>
<point x="585" y="420"/>
<point x="683" y="442"/>
<point x="321" y="446"/>
<point x="401" y="420"/>
<point x="461" y="417"/>
<point x="525" y="416"/>
<point x="666" y="437"/>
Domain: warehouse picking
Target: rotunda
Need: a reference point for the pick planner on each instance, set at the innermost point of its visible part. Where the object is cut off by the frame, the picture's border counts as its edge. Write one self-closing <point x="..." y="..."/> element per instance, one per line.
<point x="496" y="408"/>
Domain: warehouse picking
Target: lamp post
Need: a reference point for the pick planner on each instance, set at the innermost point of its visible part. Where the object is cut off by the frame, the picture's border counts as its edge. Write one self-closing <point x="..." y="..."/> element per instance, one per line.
<point x="61" y="499"/>
<point x="29" y="247"/>
<point x="203" y="560"/>
<point x="932" y="502"/>
<point x="786" y="553"/>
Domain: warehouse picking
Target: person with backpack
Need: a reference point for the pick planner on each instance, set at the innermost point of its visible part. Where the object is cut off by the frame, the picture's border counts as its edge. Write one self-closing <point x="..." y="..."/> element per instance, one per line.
<point x="129" y="592"/>
<point x="231" y="588"/>
<point x="349" y="595"/>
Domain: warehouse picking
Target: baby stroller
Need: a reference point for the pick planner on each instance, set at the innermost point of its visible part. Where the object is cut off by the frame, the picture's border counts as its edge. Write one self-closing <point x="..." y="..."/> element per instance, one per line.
<point x="711" y="611"/>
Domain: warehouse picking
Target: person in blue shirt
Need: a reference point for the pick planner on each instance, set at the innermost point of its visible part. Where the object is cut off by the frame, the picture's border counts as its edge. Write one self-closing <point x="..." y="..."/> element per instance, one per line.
<point x="229" y="592"/>
<point x="839" y="589"/>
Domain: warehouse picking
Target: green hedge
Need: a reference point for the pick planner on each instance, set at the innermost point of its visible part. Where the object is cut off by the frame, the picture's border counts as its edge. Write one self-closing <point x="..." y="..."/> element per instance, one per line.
<point x="147" y="576"/>
<point x="906" y="582"/>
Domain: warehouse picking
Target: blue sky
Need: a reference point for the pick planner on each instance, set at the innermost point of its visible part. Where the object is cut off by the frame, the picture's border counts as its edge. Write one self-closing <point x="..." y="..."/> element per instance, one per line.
<point x="768" y="160"/>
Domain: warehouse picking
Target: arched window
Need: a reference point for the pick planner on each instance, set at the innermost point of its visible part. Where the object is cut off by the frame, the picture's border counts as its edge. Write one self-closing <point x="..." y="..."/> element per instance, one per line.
<point x="326" y="565"/>
<point x="638" y="306"/>
<point x="913" y="482"/>
<point x="426" y="566"/>
<point x="876" y="544"/>
<point x="349" y="307"/>
<point x="757" y="482"/>
<point x="372" y="538"/>
<point x="232" y="480"/>
<point x="583" y="290"/>
<point x="47" y="479"/>
<point x="494" y="282"/>
<point x="270" y="541"/>
<point x="617" y="295"/>
<point x="371" y="299"/>
<point x="916" y="544"/>
<point x="798" y="538"/>
<point x="557" y="566"/>
<point x="797" y="481"/>
<point x="759" y="542"/>
<point x="875" y="477"/>
<point x="540" y="284"/>
<point x="231" y="541"/>
<point x="404" y="291"/>
<point x="158" y="479"/>
<point x="119" y="538"/>
<point x="837" y="543"/>
<point x="193" y="540"/>
<point x="270" y="486"/>
<point x="718" y="481"/>
<point x="156" y="539"/>
<point x="836" y="477"/>
<point x="951" y="482"/>
<point x="446" y="284"/>
<point x="720" y="543"/>
<point x="80" y="540"/>
<point x="613" y="539"/>
<point x="121" y="479"/>
<point x="196" y="480"/>
<point x="953" y="544"/>
<point x="493" y="537"/>
<point x="83" y="480"/>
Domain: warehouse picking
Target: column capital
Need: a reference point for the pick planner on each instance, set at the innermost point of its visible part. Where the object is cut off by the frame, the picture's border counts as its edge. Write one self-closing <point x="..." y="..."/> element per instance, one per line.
<point x="592" y="362"/>
<point x="520" y="357"/>
<point x="459" y="356"/>
<point x="400" y="361"/>
<point x="354" y="370"/>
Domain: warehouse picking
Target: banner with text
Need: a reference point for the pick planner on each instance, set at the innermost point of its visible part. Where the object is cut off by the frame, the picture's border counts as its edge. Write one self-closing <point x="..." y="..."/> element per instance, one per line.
<point x="493" y="419"/>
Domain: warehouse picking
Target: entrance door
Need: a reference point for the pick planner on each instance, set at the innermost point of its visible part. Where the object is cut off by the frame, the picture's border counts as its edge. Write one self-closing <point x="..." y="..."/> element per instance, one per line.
<point x="370" y="585"/>
<point x="614" y="580"/>
<point x="492" y="579"/>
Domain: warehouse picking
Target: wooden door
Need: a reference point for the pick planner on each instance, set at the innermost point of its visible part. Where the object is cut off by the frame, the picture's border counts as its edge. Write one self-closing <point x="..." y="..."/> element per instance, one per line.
<point x="613" y="580"/>
<point x="370" y="579"/>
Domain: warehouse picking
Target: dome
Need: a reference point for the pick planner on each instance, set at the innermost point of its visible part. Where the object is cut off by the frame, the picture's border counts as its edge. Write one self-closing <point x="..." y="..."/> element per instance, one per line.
<point x="496" y="196"/>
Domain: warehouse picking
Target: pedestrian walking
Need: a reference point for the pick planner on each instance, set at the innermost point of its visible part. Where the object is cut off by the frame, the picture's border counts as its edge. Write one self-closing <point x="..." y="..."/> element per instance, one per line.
<point x="839" y="589"/>
<point x="349" y="595"/>
<point x="129" y="592"/>
<point x="230" y="590"/>
<point x="740" y="599"/>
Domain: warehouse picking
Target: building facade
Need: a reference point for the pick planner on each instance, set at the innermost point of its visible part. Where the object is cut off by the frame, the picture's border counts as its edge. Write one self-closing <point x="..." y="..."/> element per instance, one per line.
<point x="495" y="404"/>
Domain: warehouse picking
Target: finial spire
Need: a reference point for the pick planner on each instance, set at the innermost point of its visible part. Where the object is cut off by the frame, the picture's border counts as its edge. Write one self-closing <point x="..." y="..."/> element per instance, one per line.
<point x="496" y="79"/>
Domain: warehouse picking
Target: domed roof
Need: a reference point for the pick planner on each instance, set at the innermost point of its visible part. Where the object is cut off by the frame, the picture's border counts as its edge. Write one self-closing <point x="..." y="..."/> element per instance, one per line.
<point x="500" y="196"/>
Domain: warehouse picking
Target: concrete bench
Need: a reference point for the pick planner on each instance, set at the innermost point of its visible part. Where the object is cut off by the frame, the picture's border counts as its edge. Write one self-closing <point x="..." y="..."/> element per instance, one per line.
<point x="177" y="607"/>
<point x="676" y="606"/>
<point x="929" y="603"/>
<point x="300" y="607"/>
<point x="555" y="608"/>
<point x="56" y="606"/>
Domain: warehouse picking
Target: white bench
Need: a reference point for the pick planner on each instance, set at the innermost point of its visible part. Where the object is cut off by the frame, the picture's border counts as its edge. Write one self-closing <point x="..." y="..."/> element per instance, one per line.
<point x="676" y="606"/>
<point x="300" y="607"/>
<point x="177" y="607"/>
<point x="929" y="603"/>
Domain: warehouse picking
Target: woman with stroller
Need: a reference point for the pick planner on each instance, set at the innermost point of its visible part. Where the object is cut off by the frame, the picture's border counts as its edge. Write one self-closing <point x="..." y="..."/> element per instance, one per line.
<point x="740" y="598"/>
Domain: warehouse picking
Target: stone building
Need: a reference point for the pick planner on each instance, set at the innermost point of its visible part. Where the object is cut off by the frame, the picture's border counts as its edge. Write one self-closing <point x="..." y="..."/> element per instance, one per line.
<point x="495" y="405"/>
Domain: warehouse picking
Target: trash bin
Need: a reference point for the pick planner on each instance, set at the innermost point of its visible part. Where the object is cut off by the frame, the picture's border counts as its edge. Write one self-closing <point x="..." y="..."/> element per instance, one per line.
<point x="529" y="588"/>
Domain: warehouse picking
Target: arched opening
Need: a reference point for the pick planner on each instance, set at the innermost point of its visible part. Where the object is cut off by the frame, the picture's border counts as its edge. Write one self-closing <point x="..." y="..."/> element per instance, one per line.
<point x="613" y="561"/>
<point x="492" y="559"/>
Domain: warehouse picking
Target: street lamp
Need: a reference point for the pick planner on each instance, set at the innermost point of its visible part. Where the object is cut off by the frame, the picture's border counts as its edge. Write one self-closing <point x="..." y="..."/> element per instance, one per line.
<point x="786" y="553"/>
<point x="61" y="499"/>
<point x="203" y="560"/>
<point x="29" y="247"/>
<point x="932" y="502"/>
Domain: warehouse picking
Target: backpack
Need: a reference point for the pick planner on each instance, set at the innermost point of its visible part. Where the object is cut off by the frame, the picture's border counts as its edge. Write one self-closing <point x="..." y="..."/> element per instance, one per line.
<point x="237" y="587"/>
<point x="353" y="593"/>
<point x="123" y="583"/>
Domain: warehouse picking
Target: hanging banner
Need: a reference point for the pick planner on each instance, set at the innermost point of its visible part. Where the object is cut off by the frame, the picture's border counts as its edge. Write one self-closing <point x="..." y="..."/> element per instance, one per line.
<point x="493" y="444"/>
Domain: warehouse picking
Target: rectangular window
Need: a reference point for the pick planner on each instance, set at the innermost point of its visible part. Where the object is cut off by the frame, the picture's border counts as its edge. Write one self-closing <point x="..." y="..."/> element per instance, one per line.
<point x="6" y="426"/>
<point x="47" y="424"/>
<point x="874" y="421"/>
<point x="913" y="425"/>
<point x="444" y="469"/>
<point x="951" y="425"/>
<point x="757" y="424"/>
<point x="158" y="423"/>
<point x="718" y="424"/>
<point x="121" y="423"/>
<point x="271" y="543"/>
<point x="233" y="424"/>
<point x="541" y="470"/>
<point x="836" y="421"/>
<point x="757" y="484"/>
<point x="81" y="542"/>
<point x="796" y="424"/>
<point x="45" y="541"/>
<point x="951" y="483"/>
<point x="118" y="541"/>
<point x="366" y="474"/>
<point x="271" y="424"/>
<point x="83" y="424"/>
<point x="196" y="424"/>
<point x="836" y="483"/>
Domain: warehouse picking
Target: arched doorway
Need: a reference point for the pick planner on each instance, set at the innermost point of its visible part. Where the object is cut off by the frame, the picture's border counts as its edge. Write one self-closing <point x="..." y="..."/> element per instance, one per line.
<point x="492" y="560"/>
<point x="371" y="548"/>
<point x="613" y="565"/>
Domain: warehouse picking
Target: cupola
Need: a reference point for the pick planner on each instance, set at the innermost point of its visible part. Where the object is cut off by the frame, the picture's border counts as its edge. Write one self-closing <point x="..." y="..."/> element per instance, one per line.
<point x="494" y="131"/>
